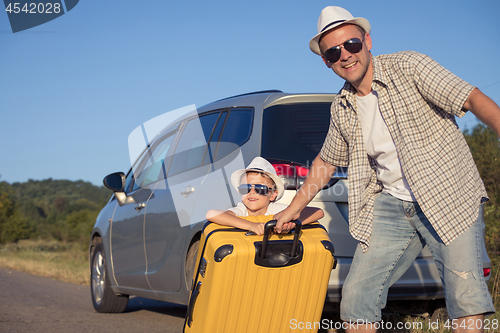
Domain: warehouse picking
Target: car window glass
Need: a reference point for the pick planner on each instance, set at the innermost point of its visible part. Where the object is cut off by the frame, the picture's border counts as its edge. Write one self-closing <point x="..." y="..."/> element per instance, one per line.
<point x="340" y="173"/>
<point x="236" y="131"/>
<point x="192" y="145"/>
<point x="128" y="180"/>
<point x="301" y="132"/>
<point x="155" y="161"/>
<point x="214" y="140"/>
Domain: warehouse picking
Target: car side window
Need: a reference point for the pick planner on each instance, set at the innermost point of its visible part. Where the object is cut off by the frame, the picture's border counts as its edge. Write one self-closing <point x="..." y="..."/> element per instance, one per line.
<point x="214" y="140"/>
<point x="154" y="161"/>
<point x="237" y="131"/>
<point x="192" y="146"/>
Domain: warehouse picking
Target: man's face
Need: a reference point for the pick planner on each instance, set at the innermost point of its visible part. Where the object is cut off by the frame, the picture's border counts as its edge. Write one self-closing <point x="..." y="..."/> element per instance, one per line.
<point x="352" y="67"/>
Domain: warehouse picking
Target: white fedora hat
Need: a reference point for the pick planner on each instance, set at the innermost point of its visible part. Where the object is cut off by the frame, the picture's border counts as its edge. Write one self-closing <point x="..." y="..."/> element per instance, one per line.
<point x="260" y="164"/>
<point x="330" y="18"/>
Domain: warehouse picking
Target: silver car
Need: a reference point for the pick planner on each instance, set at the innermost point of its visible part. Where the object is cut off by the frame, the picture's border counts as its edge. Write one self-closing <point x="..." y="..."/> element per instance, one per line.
<point x="145" y="240"/>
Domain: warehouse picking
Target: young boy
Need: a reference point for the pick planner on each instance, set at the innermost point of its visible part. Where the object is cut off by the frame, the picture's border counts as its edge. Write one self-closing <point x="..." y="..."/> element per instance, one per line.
<point x="260" y="188"/>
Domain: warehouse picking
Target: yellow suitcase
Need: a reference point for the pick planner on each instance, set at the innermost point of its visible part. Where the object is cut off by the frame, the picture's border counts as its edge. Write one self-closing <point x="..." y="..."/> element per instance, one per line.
<point x="249" y="283"/>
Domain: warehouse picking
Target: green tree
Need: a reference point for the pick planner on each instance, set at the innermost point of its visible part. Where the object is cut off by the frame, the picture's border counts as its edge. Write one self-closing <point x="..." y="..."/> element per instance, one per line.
<point x="13" y="226"/>
<point x="58" y="209"/>
<point x="485" y="147"/>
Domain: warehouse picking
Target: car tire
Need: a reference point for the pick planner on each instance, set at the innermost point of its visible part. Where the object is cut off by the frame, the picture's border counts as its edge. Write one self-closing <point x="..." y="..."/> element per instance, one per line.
<point x="191" y="263"/>
<point x="103" y="297"/>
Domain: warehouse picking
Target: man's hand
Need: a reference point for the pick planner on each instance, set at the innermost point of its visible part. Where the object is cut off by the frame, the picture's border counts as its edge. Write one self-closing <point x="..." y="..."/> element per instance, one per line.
<point x="286" y="227"/>
<point x="283" y="224"/>
<point x="319" y="174"/>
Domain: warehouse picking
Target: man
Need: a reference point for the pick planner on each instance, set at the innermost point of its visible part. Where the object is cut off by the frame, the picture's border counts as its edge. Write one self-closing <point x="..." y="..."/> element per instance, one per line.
<point x="412" y="179"/>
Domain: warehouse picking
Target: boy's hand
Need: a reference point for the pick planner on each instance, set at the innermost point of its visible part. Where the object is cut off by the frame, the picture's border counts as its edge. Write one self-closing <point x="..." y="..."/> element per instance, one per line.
<point x="257" y="228"/>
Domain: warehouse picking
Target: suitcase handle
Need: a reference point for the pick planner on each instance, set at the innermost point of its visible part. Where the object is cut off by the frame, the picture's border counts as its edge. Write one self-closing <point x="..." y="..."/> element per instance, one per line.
<point x="192" y="301"/>
<point x="267" y="230"/>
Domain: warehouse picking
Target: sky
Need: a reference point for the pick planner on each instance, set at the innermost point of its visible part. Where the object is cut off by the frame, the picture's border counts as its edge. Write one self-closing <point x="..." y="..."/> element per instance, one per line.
<point x="73" y="89"/>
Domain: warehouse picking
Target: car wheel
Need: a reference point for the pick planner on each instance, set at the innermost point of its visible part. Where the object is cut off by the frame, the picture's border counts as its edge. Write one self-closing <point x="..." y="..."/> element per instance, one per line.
<point x="103" y="298"/>
<point x="191" y="263"/>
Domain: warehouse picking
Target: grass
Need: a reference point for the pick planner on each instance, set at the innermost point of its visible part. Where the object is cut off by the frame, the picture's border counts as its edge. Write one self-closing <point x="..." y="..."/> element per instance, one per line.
<point x="61" y="261"/>
<point x="69" y="262"/>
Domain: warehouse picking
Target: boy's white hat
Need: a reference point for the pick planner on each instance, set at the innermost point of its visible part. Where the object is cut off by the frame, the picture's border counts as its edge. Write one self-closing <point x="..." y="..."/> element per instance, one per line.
<point x="260" y="164"/>
<point x="330" y="18"/>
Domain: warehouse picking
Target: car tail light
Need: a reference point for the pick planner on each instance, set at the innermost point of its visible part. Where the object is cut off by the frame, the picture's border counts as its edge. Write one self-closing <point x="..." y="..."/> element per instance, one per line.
<point x="487" y="272"/>
<point x="293" y="175"/>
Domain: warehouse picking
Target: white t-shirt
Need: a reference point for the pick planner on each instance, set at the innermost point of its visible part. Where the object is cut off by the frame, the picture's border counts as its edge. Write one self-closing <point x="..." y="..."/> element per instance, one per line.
<point x="273" y="208"/>
<point x="381" y="147"/>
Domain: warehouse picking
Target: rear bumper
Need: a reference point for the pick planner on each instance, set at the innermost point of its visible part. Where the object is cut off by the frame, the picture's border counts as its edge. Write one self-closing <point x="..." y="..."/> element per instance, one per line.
<point x="420" y="282"/>
<point x="398" y="293"/>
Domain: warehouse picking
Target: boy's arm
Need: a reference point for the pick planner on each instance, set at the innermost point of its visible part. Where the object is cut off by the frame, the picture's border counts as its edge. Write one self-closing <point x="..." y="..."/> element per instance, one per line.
<point x="311" y="214"/>
<point x="229" y="219"/>
<point x="307" y="215"/>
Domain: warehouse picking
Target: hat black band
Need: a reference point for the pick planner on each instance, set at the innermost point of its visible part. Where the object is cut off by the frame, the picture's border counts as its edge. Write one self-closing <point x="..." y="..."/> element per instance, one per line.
<point x="329" y="25"/>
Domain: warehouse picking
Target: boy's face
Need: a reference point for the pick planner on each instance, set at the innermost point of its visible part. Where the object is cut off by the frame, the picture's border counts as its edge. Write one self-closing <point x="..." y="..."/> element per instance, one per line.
<point x="256" y="203"/>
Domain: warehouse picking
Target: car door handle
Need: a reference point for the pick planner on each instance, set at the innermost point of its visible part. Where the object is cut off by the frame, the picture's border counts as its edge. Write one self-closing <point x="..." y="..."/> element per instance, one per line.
<point x="189" y="190"/>
<point x="140" y="206"/>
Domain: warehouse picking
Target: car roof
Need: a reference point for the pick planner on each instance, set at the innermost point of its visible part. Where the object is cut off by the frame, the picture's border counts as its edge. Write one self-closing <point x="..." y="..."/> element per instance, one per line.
<point x="258" y="100"/>
<point x="266" y="99"/>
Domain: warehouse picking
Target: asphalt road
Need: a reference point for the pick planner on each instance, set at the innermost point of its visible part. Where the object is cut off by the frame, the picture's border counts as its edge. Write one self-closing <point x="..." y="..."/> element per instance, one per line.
<point x="31" y="303"/>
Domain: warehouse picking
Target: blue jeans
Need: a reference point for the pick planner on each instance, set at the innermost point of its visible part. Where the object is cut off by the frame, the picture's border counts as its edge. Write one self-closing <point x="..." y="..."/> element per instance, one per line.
<point x="400" y="230"/>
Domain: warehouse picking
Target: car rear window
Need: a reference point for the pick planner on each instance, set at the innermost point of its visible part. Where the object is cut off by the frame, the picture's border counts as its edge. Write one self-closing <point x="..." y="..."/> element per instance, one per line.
<point x="294" y="132"/>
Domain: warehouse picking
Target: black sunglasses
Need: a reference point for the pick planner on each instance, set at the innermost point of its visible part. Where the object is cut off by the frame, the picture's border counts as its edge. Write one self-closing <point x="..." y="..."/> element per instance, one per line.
<point x="353" y="45"/>
<point x="259" y="189"/>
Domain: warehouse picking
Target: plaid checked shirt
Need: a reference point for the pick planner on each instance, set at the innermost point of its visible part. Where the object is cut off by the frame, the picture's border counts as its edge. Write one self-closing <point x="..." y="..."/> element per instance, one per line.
<point x="419" y="100"/>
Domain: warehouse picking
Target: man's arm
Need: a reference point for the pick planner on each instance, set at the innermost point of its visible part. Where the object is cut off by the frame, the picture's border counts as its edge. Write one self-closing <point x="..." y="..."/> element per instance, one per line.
<point x="484" y="108"/>
<point x="319" y="175"/>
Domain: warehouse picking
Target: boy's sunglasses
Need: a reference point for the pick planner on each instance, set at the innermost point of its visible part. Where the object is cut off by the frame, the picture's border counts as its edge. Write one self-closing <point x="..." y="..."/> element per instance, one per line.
<point x="259" y="189"/>
<point x="353" y="45"/>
